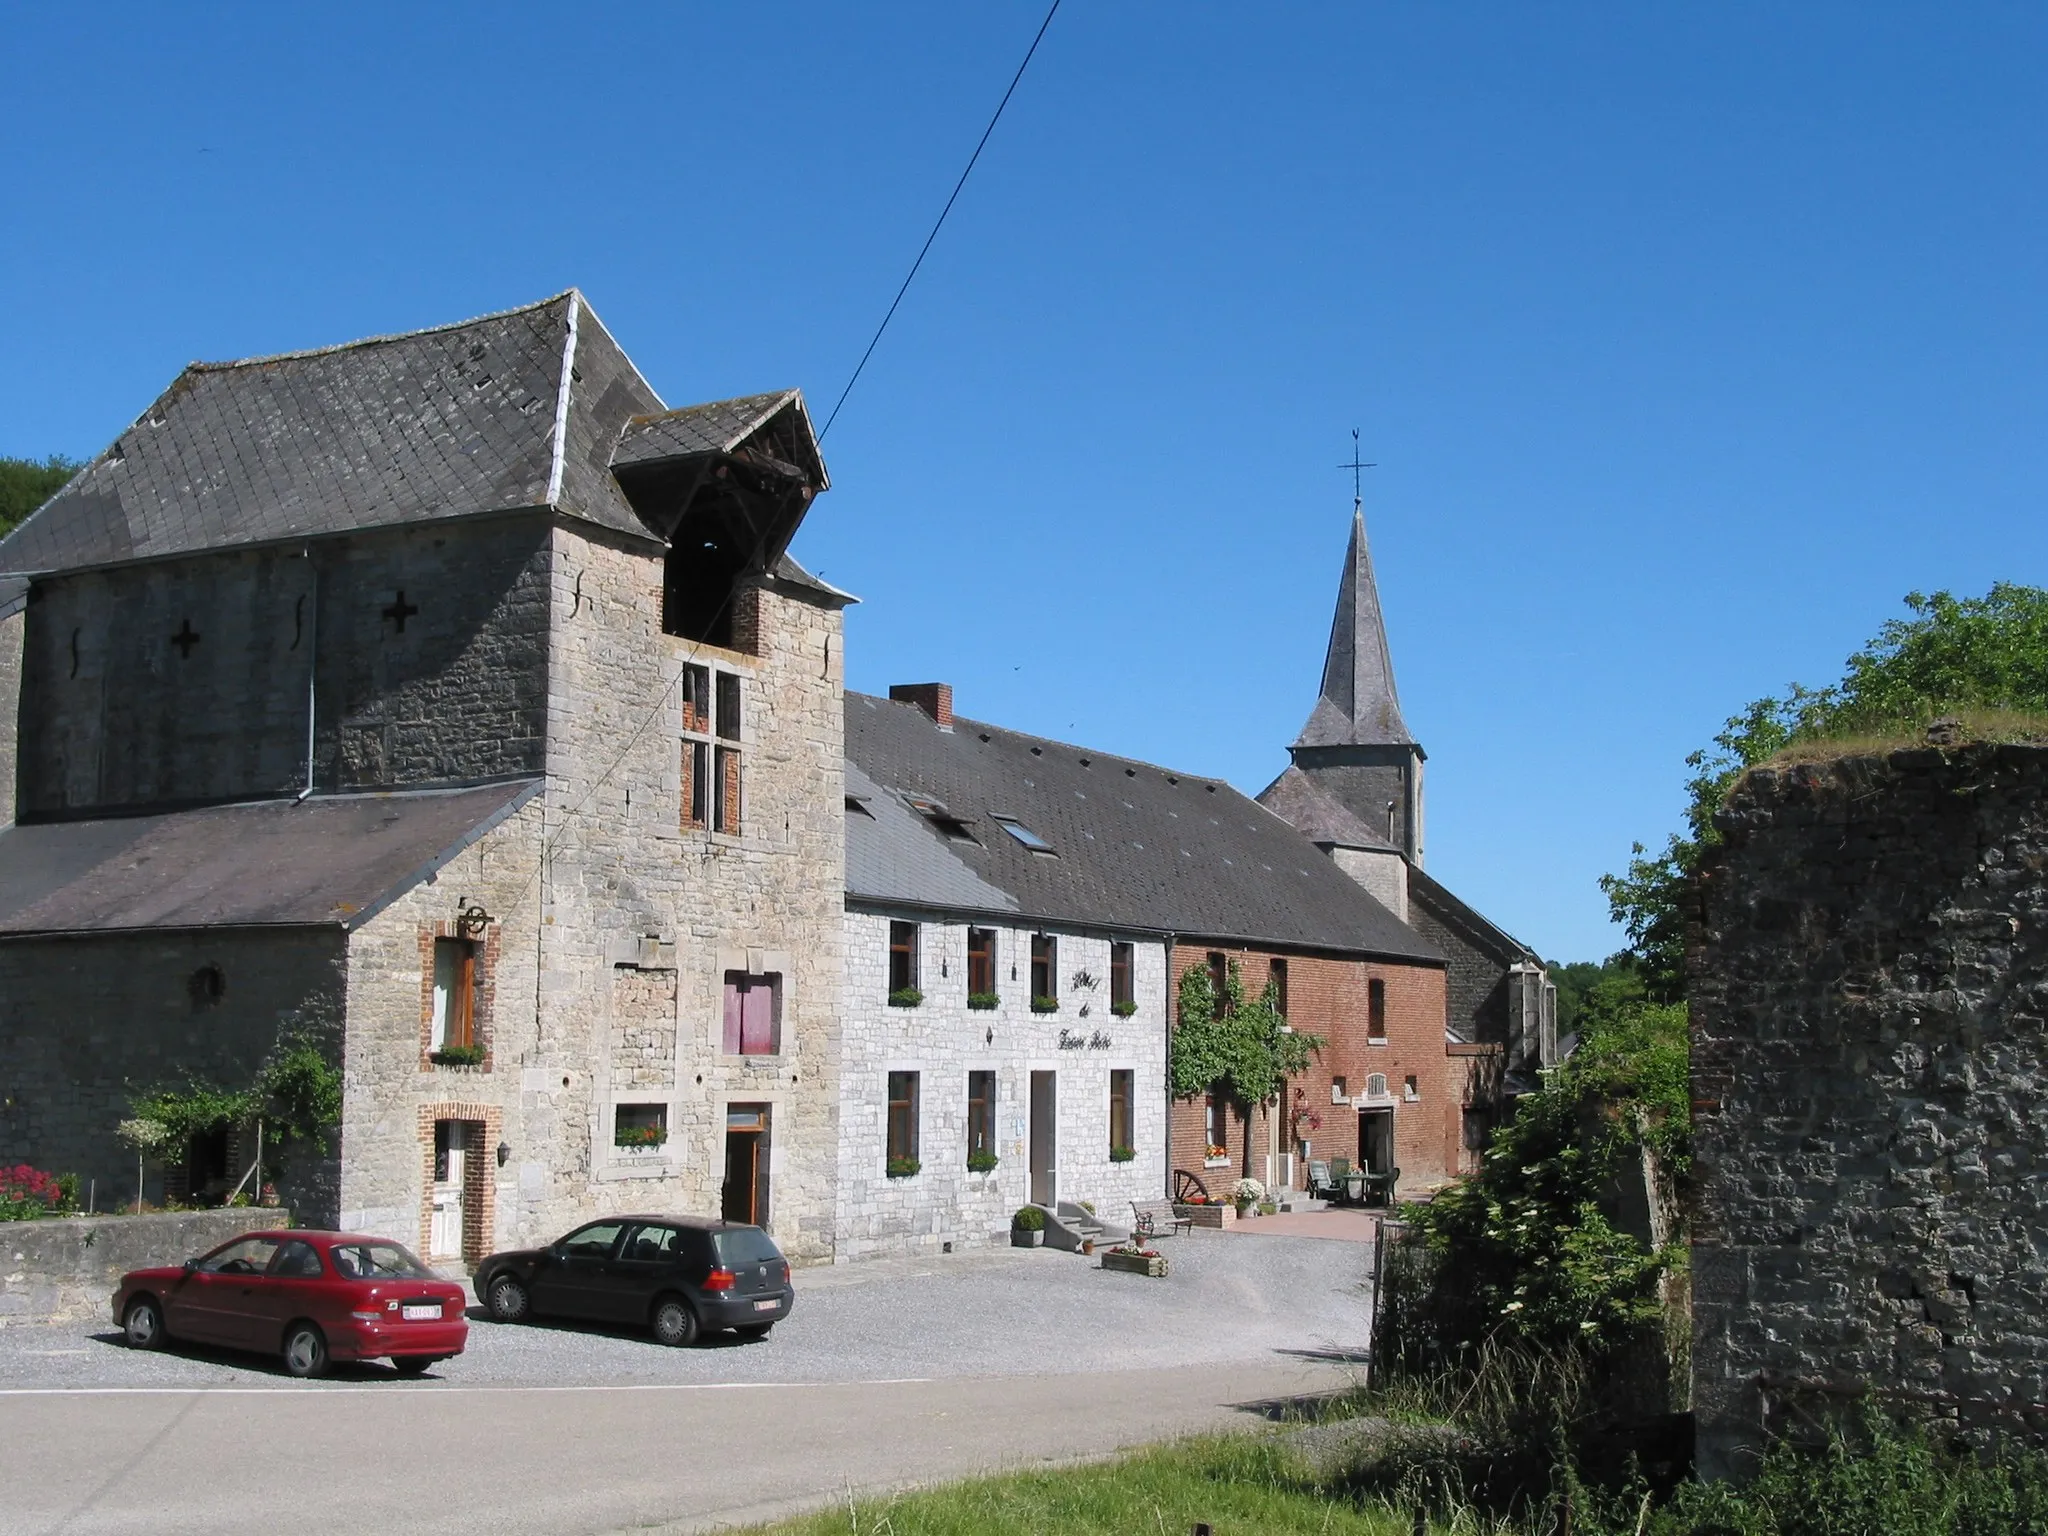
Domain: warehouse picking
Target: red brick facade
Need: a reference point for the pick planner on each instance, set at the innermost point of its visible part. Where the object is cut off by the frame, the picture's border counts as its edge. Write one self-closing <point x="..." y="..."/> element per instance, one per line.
<point x="479" y="1204"/>
<point x="1330" y="997"/>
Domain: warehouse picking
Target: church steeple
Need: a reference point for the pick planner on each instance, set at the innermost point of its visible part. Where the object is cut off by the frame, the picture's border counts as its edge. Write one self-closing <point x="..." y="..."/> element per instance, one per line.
<point x="1359" y="705"/>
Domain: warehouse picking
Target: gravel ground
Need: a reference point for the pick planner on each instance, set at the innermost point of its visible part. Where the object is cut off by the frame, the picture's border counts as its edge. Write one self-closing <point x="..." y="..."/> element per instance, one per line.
<point x="990" y="1312"/>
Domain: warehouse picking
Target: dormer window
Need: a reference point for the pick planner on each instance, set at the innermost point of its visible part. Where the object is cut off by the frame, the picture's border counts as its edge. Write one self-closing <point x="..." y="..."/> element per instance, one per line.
<point x="952" y="827"/>
<point x="1025" y="836"/>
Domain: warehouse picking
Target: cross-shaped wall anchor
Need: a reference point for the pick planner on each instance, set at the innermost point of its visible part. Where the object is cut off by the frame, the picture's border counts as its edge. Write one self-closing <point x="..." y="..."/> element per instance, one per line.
<point x="185" y="638"/>
<point x="401" y="610"/>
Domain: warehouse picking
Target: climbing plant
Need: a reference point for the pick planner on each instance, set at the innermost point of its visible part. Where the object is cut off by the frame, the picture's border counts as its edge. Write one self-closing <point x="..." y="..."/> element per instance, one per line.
<point x="1241" y="1043"/>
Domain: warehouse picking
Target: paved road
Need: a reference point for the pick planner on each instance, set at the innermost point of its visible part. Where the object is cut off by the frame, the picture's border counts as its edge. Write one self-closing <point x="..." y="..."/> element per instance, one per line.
<point x="885" y="1374"/>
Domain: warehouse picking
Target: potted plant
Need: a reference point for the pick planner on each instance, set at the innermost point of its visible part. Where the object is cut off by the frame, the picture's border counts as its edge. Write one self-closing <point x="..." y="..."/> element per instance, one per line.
<point x="1135" y="1259"/>
<point x="457" y="1056"/>
<point x="1123" y="1010"/>
<point x="981" y="1161"/>
<point x="640" y="1138"/>
<point x="1045" y="1005"/>
<point x="1122" y="1154"/>
<point x="1027" y="1227"/>
<point x="905" y="997"/>
<point x="1246" y="1195"/>
<point x="982" y="1001"/>
<point x="903" y="1167"/>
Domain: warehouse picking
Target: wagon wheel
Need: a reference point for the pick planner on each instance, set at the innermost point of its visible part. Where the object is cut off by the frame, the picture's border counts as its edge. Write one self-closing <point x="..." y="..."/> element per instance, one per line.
<point x="1185" y="1184"/>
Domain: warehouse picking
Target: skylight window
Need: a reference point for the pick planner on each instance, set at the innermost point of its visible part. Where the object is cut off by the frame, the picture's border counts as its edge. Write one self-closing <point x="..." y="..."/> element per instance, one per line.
<point x="1024" y="834"/>
<point x="949" y="825"/>
<point x="859" y="807"/>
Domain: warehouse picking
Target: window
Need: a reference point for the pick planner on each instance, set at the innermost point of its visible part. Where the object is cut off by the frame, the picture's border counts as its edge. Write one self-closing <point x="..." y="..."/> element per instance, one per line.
<point x="725" y="807"/>
<point x="1025" y="835"/>
<point x="728" y="706"/>
<point x="951" y="826"/>
<point x="697" y="699"/>
<point x="1376" y="1085"/>
<point x="1376" y="1012"/>
<point x="297" y="1261"/>
<point x="1219" y="977"/>
<point x="1045" y="972"/>
<point x="377" y="1261"/>
<point x="1278" y="980"/>
<point x="251" y="1256"/>
<point x="902" y="1117"/>
<point x="1409" y="1091"/>
<point x="981" y="1116"/>
<point x="1216" y="1123"/>
<point x="1121" y="1137"/>
<point x="652" y="1245"/>
<point x="753" y="1014"/>
<point x="454" y="993"/>
<point x="1336" y="1090"/>
<point x="1123" y="994"/>
<point x="902" y="958"/>
<point x="696" y="779"/>
<point x="981" y="963"/>
<point x="639" y="1125"/>
<point x="592" y="1242"/>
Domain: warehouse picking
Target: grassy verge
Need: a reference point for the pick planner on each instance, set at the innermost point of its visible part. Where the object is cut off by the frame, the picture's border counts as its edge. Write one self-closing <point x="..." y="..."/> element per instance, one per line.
<point x="1239" y="1483"/>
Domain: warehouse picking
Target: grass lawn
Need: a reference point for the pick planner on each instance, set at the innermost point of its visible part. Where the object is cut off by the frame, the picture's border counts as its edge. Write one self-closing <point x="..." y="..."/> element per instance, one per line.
<point x="1242" y="1483"/>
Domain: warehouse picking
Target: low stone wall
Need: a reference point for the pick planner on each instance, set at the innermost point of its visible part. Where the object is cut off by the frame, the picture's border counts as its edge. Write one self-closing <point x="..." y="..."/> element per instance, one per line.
<point x="66" y="1270"/>
<point x="1869" y="990"/>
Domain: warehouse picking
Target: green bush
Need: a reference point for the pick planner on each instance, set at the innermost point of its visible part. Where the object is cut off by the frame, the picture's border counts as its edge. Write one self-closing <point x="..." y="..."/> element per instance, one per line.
<point x="983" y="1161"/>
<point x="1122" y="1154"/>
<point x="903" y="1167"/>
<point x="457" y="1056"/>
<point x="982" y="1001"/>
<point x="1045" y="1005"/>
<point x="28" y="1194"/>
<point x="1123" y="1010"/>
<point x="1028" y="1218"/>
<point x="905" y="997"/>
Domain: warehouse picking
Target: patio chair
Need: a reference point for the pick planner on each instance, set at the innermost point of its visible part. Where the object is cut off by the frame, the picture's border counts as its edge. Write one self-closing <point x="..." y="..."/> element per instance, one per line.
<point x="1340" y="1170"/>
<point x="1318" y="1179"/>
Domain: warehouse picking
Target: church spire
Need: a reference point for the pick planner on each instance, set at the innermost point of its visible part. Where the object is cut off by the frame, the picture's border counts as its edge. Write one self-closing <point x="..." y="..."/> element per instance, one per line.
<point x="1359" y="706"/>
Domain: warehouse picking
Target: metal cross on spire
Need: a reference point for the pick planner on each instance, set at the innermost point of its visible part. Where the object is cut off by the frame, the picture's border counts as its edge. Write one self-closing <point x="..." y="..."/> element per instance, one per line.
<point x="1356" y="466"/>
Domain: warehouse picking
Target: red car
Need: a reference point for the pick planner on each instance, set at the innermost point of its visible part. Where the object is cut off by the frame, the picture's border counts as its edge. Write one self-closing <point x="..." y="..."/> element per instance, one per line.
<point x="313" y="1297"/>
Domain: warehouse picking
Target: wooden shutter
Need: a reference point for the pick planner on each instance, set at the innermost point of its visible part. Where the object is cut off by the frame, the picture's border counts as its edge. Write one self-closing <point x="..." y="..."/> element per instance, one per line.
<point x="757" y="1016"/>
<point x="735" y="991"/>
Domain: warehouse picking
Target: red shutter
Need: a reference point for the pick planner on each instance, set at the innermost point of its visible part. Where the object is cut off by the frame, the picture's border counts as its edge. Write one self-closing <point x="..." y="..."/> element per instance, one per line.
<point x="734" y="995"/>
<point x="757" y="1017"/>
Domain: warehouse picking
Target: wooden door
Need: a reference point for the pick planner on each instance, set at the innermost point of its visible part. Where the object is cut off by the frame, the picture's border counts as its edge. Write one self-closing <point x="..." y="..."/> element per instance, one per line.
<point x="451" y="1152"/>
<point x="1045" y="1138"/>
<point x="746" y="1164"/>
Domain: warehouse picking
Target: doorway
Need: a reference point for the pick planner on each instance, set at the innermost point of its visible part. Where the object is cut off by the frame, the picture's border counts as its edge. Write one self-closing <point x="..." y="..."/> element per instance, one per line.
<point x="1045" y="1138"/>
<point x="451" y="1157"/>
<point x="746" y="1164"/>
<point x="1376" y="1140"/>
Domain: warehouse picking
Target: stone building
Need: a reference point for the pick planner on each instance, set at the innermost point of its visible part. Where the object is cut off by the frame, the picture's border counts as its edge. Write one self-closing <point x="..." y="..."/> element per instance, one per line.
<point x="450" y="701"/>
<point x="1354" y="787"/>
<point x="1041" y="901"/>
<point x="1868" y="989"/>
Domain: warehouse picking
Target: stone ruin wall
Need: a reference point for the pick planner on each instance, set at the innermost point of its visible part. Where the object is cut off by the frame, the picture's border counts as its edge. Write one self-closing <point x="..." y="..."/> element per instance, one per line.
<point x="1869" y="982"/>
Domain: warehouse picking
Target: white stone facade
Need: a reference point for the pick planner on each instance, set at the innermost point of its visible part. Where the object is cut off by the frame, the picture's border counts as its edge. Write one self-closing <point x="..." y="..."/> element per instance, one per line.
<point x="942" y="1039"/>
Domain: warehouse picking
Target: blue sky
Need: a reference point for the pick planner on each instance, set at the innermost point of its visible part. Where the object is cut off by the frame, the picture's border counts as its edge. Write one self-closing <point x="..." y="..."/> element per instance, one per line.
<point x="1687" y="340"/>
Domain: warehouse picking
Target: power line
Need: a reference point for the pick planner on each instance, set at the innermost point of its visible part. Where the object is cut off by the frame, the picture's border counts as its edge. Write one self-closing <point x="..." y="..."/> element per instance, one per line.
<point x="928" y="239"/>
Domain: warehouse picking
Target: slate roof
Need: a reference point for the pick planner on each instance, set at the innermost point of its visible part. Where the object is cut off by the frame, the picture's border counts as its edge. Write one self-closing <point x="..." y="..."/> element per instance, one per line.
<point x="1139" y="848"/>
<point x="520" y="409"/>
<point x="1359" y="705"/>
<point x="893" y="855"/>
<point x="330" y="859"/>
<point x="1297" y="800"/>
<point x="13" y="595"/>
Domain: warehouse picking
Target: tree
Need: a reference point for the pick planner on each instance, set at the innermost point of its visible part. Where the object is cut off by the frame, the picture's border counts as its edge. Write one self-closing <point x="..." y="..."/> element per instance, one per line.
<point x="26" y="484"/>
<point x="1981" y="657"/>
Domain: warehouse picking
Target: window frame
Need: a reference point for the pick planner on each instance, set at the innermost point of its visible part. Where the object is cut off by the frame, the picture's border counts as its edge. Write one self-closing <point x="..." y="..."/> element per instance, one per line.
<point x="1123" y="1091"/>
<point x="904" y="944"/>
<point x="1375" y="1011"/>
<point x="900" y="1125"/>
<point x="1276" y="977"/>
<point x="733" y="1028"/>
<point x="981" y="1111"/>
<point x="981" y="967"/>
<point x="1123" y="987"/>
<point x="1216" y="1118"/>
<point x="1045" y="966"/>
<point x="452" y="1021"/>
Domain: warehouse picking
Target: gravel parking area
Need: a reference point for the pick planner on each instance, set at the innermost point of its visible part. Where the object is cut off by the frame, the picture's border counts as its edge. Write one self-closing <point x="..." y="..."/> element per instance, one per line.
<point x="1005" y="1312"/>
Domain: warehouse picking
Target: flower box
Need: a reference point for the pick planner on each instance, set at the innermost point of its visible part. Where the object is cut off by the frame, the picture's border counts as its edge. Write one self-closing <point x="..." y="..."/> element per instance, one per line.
<point x="1208" y="1215"/>
<point x="1153" y="1264"/>
<point x="1216" y="1162"/>
<point x="1020" y="1238"/>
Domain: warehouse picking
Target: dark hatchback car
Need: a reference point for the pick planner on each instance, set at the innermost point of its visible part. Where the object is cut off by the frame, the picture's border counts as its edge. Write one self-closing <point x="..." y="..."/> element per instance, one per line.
<point x="678" y="1275"/>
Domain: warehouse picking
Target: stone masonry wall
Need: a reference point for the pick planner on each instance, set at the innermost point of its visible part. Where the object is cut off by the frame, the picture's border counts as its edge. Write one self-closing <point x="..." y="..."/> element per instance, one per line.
<point x="942" y="1040"/>
<point x="1327" y="996"/>
<point x="86" y="1022"/>
<point x="186" y="680"/>
<point x="66" y="1270"/>
<point x="1869" y="984"/>
<point x="12" y="631"/>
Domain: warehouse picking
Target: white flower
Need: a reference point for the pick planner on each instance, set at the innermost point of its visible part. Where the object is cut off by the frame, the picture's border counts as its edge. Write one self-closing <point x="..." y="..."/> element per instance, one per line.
<point x="1513" y="1306"/>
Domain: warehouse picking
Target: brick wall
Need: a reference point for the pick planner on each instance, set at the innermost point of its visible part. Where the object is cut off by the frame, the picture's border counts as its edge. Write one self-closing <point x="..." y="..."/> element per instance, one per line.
<point x="87" y="1022"/>
<point x="1329" y="997"/>
<point x="119" y="713"/>
<point x="1869" y="979"/>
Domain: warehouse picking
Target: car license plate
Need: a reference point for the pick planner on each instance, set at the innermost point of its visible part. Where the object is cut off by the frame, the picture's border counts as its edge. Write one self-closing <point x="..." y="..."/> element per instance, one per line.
<point x="419" y="1314"/>
<point x="766" y="1306"/>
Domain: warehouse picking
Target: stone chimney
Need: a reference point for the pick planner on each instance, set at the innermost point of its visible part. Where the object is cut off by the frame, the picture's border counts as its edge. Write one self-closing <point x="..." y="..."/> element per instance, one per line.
<point x="935" y="699"/>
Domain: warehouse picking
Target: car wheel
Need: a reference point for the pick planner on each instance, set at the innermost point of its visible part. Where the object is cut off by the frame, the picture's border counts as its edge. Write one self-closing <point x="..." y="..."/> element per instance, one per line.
<point x="412" y="1365"/>
<point x="754" y="1330"/>
<point x="143" y="1327"/>
<point x="674" y="1323"/>
<point x="506" y="1300"/>
<point x="305" y="1350"/>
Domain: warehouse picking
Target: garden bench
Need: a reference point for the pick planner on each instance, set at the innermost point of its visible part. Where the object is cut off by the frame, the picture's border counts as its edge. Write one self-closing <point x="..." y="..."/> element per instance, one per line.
<point x="1157" y="1218"/>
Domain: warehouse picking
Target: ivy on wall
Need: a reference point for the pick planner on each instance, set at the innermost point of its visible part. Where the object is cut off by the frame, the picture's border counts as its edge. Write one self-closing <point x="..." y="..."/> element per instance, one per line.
<point x="1240" y="1044"/>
